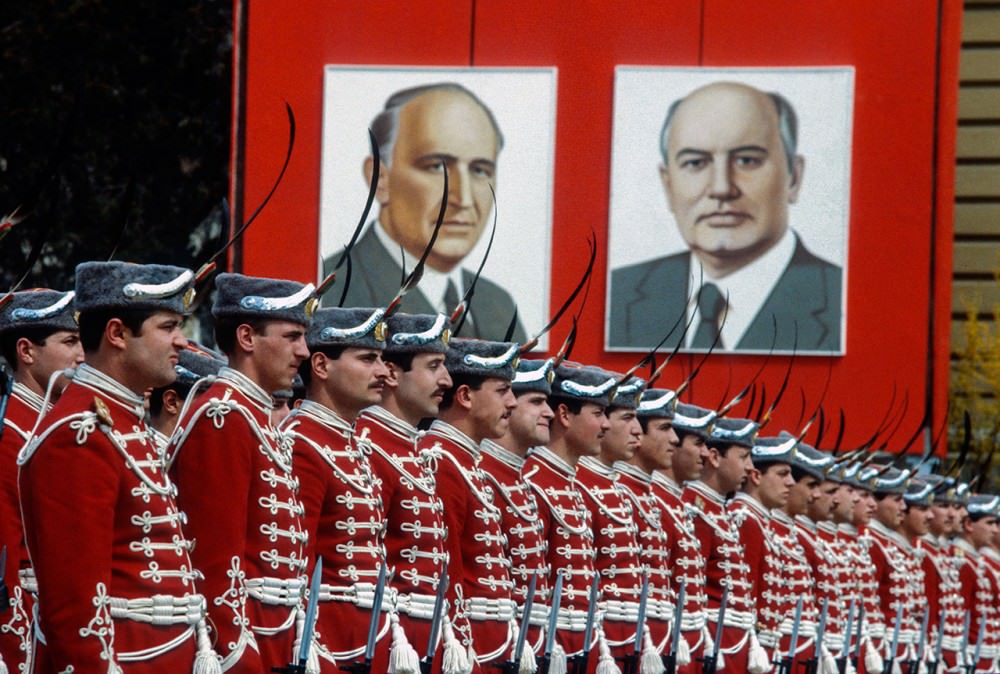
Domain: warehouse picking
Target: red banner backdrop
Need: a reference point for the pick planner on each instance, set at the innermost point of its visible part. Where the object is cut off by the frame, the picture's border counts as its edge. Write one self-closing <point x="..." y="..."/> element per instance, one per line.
<point x="906" y="60"/>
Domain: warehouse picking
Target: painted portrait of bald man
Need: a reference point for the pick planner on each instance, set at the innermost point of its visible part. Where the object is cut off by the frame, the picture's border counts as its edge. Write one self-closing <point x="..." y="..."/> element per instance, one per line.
<point x="731" y="172"/>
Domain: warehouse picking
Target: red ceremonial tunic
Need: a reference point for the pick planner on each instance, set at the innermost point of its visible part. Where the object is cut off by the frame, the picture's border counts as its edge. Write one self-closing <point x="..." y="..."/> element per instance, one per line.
<point x="654" y="550"/>
<point x="116" y="586"/>
<point x="415" y="533"/>
<point x="617" y="551"/>
<point x="832" y="575"/>
<point x="944" y="598"/>
<point x="796" y="582"/>
<point x="234" y="473"/>
<point x="725" y="565"/>
<point x="865" y="588"/>
<point x="991" y="648"/>
<point x="477" y="561"/>
<point x="23" y="408"/>
<point x="343" y="518"/>
<point x="900" y="588"/>
<point x="570" y="539"/>
<point x="979" y="595"/>
<point x="753" y="522"/>
<point x="687" y="565"/>
<point x="526" y="548"/>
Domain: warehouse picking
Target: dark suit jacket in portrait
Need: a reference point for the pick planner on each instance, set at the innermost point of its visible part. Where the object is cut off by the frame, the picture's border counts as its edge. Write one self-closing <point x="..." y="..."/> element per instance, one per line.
<point x="376" y="277"/>
<point x="647" y="299"/>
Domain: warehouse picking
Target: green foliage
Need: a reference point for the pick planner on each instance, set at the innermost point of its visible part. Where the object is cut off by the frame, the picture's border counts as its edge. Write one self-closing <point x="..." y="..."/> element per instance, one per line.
<point x="141" y="89"/>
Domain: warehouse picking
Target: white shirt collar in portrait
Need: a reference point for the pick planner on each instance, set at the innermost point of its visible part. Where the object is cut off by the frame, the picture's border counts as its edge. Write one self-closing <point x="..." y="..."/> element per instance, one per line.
<point x="433" y="284"/>
<point x="748" y="289"/>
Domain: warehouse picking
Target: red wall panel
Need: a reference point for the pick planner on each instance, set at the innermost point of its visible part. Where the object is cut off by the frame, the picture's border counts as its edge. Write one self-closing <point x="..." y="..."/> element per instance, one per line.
<point x="905" y="55"/>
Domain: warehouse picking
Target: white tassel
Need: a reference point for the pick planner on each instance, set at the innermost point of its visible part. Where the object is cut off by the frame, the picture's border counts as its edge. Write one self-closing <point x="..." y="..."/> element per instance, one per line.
<point x="473" y="658"/>
<point x="3" y="666"/>
<point x="651" y="662"/>
<point x="896" y="669"/>
<point x="206" y="661"/>
<point x="757" y="660"/>
<point x="312" y="664"/>
<point x="403" y="658"/>
<point x="922" y="667"/>
<point x="683" y="652"/>
<point x="557" y="661"/>
<point x="528" y="664"/>
<point x="454" y="659"/>
<point x="850" y="669"/>
<point x="708" y="645"/>
<point x="606" y="663"/>
<point x="720" y="661"/>
<point x="829" y="662"/>
<point x="873" y="661"/>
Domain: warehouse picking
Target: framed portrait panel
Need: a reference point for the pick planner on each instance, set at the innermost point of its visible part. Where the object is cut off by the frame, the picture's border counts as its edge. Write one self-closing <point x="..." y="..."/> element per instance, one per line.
<point x="729" y="204"/>
<point x="491" y="128"/>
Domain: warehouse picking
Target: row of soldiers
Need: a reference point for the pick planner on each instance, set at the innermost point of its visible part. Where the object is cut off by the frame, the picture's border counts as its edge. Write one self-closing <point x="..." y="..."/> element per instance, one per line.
<point x="552" y="516"/>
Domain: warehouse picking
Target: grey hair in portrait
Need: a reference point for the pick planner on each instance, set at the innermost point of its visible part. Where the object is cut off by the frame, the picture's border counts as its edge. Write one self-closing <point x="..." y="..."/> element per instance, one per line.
<point x="386" y="122"/>
<point x="788" y="127"/>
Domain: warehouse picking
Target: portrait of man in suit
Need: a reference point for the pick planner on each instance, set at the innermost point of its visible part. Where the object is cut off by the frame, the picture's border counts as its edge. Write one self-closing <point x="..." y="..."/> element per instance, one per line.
<point x="421" y="131"/>
<point x="731" y="172"/>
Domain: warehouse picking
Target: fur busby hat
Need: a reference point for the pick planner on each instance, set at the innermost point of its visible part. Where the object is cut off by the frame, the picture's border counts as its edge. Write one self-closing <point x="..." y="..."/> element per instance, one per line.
<point x="920" y="490"/>
<point x="40" y="308"/>
<point x="628" y="394"/>
<point x="534" y="376"/>
<point x="583" y="383"/>
<point x="255" y="298"/>
<point x="195" y="362"/>
<point x="418" y="333"/>
<point x="807" y="458"/>
<point x="726" y="431"/>
<point x="481" y="358"/>
<point x="773" y="449"/>
<point x="983" y="505"/>
<point x="891" y="481"/>
<point x="657" y="403"/>
<point x="693" y="419"/>
<point x="335" y="326"/>
<point x="124" y="285"/>
<point x="950" y="491"/>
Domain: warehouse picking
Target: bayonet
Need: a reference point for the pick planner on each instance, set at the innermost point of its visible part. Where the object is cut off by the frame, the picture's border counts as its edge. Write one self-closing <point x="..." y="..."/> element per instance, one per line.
<point x="921" y="642"/>
<point x="442" y="587"/>
<point x="894" y="643"/>
<point x="812" y="665"/>
<point x="710" y="660"/>
<point x="978" y="650"/>
<point x="670" y="662"/>
<point x="857" y="640"/>
<point x="631" y="661"/>
<point x="845" y="651"/>
<point x="514" y="664"/>
<point x="583" y="659"/>
<point x="298" y="665"/>
<point x="550" y="634"/>
<point x="938" y="645"/>
<point x="788" y="662"/>
<point x="365" y="666"/>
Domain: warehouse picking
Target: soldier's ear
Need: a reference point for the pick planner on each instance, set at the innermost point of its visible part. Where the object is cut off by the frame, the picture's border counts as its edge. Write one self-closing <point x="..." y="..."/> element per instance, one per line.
<point x="172" y="402"/>
<point x="463" y="396"/>
<point x="25" y="350"/>
<point x="244" y="337"/>
<point x="319" y="364"/>
<point x="393" y="378"/>
<point x="114" y="333"/>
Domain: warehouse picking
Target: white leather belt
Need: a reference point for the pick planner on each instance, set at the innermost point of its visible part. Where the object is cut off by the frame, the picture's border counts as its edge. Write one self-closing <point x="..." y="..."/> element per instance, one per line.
<point x="481" y="608"/>
<point x="276" y="591"/>
<point x="160" y="609"/>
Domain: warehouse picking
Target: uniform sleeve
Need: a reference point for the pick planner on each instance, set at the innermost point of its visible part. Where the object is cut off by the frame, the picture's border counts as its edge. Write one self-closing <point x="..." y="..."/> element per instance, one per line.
<point x="385" y="477"/>
<point x="754" y="554"/>
<point x="212" y="471"/>
<point x="11" y="535"/>
<point x="69" y="495"/>
<point x="313" y="475"/>
<point x="452" y="490"/>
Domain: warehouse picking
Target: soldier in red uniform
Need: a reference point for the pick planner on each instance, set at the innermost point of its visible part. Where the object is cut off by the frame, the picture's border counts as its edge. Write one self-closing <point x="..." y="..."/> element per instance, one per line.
<point x="502" y="462"/>
<point x="978" y="589"/>
<point x="477" y="407"/>
<point x="194" y="363"/>
<point x="579" y="398"/>
<point x="116" y="587"/>
<point x="343" y="513"/>
<point x="413" y="514"/>
<point x="727" y="467"/>
<point x="234" y="473"/>
<point x="766" y="489"/>
<point x="38" y="337"/>
<point x="686" y="453"/>
<point x="897" y="571"/>
<point x="941" y="578"/>
<point x="616" y="541"/>
<point x="792" y="532"/>
<point x="991" y="561"/>
<point x="657" y="442"/>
